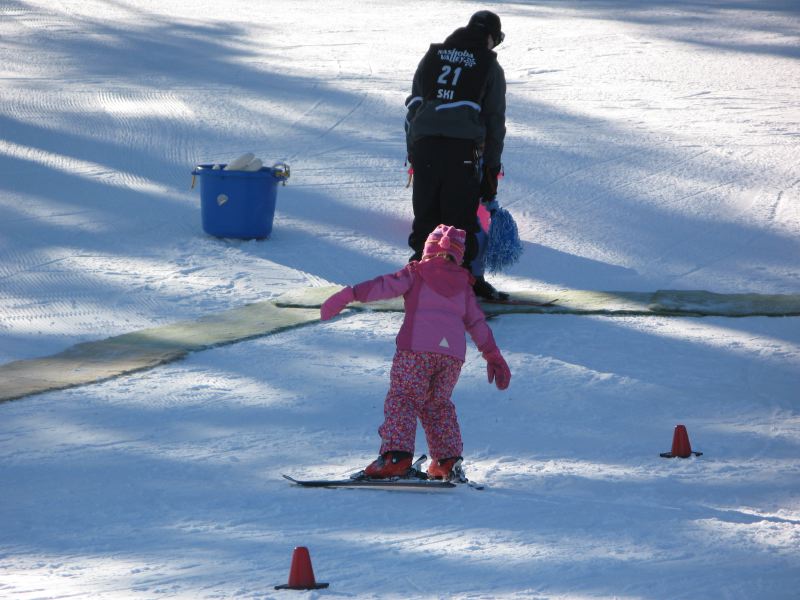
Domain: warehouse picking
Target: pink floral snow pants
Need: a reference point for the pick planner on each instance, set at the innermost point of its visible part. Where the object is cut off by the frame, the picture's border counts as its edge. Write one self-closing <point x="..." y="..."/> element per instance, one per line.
<point x="421" y="384"/>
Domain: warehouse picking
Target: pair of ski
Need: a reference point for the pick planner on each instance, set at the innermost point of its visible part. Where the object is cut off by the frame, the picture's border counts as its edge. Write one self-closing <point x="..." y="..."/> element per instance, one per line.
<point x="415" y="480"/>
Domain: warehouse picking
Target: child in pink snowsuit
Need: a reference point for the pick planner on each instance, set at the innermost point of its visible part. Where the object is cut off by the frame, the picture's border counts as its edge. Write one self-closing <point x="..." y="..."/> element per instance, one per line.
<point x="440" y="306"/>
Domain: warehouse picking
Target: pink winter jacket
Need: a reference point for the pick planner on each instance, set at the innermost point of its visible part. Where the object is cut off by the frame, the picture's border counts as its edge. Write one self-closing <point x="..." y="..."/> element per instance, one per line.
<point x="439" y="304"/>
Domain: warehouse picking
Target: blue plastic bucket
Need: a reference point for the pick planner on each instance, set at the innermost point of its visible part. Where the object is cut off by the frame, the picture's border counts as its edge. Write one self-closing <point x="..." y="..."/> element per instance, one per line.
<point x="239" y="204"/>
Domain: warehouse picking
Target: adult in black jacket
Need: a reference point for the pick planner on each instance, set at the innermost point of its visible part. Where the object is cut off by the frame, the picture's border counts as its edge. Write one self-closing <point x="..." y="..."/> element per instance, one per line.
<point x="455" y="128"/>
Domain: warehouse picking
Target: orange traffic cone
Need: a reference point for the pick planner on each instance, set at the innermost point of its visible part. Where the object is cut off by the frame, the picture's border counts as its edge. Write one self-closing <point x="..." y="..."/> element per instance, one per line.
<point x="681" y="448"/>
<point x="301" y="574"/>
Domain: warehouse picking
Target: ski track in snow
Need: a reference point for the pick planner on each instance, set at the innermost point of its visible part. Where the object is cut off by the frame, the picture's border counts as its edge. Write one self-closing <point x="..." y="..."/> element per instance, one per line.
<point x="648" y="147"/>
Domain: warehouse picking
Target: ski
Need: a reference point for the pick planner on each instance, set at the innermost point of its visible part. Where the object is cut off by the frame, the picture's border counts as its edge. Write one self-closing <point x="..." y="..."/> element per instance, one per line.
<point x="415" y="480"/>
<point x="376" y="484"/>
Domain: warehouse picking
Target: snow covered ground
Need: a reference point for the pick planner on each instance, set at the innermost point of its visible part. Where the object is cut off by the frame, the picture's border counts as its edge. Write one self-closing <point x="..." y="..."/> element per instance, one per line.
<point x="651" y="146"/>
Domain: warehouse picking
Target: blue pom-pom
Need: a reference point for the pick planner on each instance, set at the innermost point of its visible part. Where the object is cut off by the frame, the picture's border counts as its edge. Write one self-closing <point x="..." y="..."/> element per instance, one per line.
<point x="504" y="247"/>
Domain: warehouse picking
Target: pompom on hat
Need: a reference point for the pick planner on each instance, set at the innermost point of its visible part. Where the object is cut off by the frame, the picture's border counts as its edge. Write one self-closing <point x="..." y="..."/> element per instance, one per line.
<point x="446" y="240"/>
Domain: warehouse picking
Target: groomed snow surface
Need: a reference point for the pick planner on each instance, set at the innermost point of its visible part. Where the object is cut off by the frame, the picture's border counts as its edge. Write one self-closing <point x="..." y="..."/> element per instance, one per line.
<point x="651" y="145"/>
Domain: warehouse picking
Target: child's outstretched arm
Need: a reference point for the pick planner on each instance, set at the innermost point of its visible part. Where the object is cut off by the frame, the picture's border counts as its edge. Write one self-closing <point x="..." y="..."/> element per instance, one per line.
<point x="380" y="288"/>
<point x="336" y="303"/>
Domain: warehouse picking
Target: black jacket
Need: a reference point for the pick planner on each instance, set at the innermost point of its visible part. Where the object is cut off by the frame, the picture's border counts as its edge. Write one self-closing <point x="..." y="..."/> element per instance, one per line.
<point x="459" y="91"/>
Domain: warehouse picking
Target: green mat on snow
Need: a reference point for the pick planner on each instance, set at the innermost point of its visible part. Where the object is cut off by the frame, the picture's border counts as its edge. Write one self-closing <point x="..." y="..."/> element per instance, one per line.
<point x="588" y="302"/>
<point x="90" y="362"/>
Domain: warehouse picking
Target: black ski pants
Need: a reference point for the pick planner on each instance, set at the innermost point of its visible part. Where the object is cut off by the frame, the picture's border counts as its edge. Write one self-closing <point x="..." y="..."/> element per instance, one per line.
<point x="446" y="191"/>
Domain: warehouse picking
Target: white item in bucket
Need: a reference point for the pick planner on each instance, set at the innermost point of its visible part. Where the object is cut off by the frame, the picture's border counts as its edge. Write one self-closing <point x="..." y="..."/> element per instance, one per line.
<point x="238" y="164"/>
<point x="255" y="165"/>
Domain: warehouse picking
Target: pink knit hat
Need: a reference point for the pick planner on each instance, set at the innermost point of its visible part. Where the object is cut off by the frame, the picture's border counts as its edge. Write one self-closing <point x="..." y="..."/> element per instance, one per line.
<point x="448" y="240"/>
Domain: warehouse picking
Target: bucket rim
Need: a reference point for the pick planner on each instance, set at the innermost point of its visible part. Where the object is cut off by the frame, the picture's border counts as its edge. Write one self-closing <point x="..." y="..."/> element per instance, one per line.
<point x="207" y="169"/>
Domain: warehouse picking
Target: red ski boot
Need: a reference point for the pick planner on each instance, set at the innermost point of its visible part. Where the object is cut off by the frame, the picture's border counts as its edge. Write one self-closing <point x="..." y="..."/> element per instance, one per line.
<point x="390" y="464"/>
<point x="444" y="468"/>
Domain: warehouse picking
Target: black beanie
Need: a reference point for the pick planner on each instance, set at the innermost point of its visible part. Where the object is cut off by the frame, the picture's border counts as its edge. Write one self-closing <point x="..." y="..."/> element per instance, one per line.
<point x="486" y="21"/>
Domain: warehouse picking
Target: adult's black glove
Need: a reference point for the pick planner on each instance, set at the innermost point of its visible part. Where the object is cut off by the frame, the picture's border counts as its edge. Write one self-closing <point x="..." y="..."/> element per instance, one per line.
<point x="488" y="188"/>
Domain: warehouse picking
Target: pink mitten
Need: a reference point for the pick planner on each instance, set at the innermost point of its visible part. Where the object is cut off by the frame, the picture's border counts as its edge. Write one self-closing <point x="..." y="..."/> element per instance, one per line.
<point x="336" y="303"/>
<point x="497" y="369"/>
